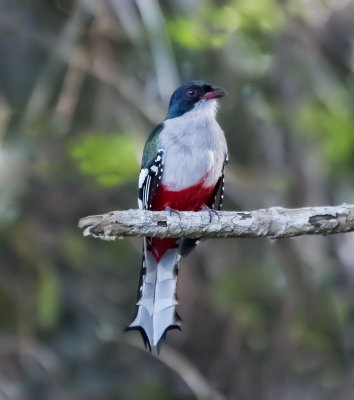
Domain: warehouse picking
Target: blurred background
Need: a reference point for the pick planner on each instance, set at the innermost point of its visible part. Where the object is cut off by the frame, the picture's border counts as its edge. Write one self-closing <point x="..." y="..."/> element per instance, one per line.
<point x="82" y="83"/>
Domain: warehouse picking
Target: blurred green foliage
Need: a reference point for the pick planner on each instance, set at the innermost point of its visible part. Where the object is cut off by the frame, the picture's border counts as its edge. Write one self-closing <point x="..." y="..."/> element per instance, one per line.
<point x="211" y="29"/>
<point x="212" y="26"/>
<point x="47" y="296"/>
<point x="110" y="159"/>
<point x="263" y="15"/>
<point x="332" y="129"/>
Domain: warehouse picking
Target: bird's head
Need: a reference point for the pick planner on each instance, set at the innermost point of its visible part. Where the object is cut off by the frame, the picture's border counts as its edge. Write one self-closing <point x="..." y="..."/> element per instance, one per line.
<point x="190" y="96"/>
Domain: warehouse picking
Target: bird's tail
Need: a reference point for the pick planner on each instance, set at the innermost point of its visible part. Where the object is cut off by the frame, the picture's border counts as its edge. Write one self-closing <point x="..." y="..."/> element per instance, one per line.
<point x="157" y="296"/>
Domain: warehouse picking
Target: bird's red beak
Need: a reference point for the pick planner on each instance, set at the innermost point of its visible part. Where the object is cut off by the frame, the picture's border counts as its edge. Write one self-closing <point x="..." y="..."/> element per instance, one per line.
<point x="215" y="93"/>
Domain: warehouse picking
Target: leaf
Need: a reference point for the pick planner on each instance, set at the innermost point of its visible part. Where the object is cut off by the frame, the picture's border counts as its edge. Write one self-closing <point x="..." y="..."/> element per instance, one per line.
<point x="109" y="159"/>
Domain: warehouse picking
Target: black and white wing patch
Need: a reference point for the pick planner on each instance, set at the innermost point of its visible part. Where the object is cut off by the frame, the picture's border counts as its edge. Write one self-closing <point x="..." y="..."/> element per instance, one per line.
<point x="149" y="180"/>
<point x="217" y="197"/>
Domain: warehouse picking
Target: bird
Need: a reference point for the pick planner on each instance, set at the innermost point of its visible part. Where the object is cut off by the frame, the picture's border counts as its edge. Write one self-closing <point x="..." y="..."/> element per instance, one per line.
<point x="182" y="169"/>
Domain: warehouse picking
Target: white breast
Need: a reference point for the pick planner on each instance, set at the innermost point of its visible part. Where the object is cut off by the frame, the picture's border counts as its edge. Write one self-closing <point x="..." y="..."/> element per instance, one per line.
<point x="194" y="145"/>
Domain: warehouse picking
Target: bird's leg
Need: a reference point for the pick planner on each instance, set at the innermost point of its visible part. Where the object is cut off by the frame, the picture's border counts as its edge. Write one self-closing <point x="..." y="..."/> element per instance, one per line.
<point x="211" y="212"/>
<point x="171" y="210"/>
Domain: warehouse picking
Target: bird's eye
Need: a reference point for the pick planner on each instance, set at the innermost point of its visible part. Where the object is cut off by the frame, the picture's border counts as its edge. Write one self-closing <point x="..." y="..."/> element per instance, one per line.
<point x="191" y="92"/>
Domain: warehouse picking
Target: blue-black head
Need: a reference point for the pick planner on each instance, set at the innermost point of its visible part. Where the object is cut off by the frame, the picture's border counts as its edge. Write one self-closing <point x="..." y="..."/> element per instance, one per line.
<point x="185" y="97"/>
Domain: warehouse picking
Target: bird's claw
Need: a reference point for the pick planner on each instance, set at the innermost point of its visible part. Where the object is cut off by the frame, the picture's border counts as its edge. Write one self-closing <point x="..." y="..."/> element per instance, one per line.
<point x="211" y="212"/>
<point x="171" y="210"/>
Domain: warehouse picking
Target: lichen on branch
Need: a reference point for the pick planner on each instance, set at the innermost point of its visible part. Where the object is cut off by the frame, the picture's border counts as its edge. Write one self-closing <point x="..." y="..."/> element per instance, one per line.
<point x="275" y="222"/>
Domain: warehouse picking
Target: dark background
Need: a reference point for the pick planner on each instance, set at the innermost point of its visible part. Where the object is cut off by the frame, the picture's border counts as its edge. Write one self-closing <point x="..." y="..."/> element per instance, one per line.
<point x="82" y="83"/>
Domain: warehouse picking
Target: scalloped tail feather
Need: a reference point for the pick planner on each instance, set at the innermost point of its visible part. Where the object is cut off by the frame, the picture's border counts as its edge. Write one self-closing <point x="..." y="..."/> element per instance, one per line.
<point x="156" y="306"/>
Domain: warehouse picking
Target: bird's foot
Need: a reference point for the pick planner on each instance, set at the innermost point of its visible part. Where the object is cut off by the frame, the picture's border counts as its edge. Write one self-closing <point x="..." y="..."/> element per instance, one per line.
<point x="211" y="212"/>
<point x="172" y="211"/>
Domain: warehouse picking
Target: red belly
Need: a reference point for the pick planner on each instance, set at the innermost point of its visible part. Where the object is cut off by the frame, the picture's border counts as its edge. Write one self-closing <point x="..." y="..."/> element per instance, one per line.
<point x="193" y="198"/>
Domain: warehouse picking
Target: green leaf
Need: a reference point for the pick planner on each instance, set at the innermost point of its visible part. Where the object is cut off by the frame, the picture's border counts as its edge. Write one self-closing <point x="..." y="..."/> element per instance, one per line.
<point x="109" y="159"/>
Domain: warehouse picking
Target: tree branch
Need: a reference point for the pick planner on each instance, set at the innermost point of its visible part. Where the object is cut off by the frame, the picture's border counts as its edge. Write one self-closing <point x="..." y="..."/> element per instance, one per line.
<point x="276" y="222"/>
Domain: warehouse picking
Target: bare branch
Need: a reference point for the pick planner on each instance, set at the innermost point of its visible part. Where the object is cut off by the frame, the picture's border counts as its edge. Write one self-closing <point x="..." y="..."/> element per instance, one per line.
<point x="276" y="222"/>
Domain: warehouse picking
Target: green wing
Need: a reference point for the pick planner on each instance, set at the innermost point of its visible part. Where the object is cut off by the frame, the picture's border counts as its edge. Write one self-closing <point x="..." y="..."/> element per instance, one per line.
<point x="150" y="149"/>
